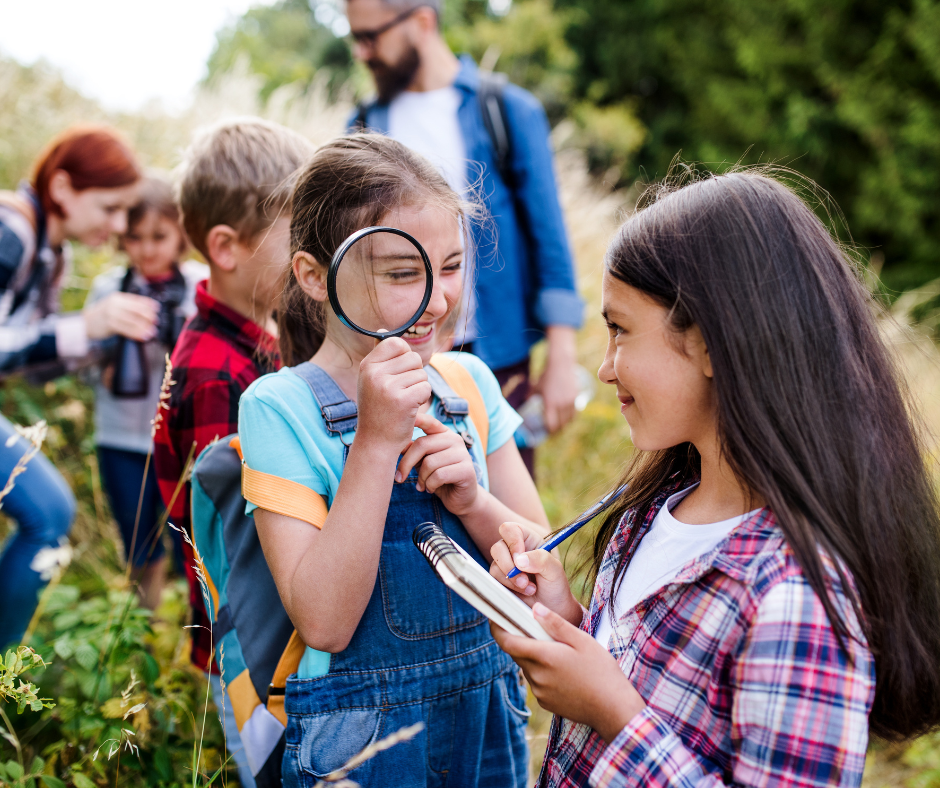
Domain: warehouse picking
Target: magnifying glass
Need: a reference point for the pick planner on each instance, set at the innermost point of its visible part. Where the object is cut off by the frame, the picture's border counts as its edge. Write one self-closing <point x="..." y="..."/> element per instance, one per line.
<point x="379" y="282"/>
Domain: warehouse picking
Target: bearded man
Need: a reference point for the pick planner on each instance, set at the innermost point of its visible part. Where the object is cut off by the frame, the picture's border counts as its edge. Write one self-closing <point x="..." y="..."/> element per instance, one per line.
<point x="525" y="289"/>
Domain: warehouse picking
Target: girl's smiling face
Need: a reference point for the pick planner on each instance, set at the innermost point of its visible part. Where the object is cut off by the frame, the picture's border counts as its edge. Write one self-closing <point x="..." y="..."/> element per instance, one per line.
<point x="391" y="265"/>
<point x="663" y="378"/>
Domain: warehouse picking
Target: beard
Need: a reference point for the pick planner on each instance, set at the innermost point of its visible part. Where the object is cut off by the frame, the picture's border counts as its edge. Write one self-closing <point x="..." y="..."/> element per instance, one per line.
<point x="392" y="79"/>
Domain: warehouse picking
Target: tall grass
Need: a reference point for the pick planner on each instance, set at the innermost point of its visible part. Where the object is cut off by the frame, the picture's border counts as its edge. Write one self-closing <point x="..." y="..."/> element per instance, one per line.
<point x="573" y="468"/>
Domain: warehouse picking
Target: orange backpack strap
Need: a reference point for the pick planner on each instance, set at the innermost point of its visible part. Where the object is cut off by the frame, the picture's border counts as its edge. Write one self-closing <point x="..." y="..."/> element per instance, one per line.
<point x="281" y="496"/>
<point x="286" y="665"/>
<point x="463" y="384"/>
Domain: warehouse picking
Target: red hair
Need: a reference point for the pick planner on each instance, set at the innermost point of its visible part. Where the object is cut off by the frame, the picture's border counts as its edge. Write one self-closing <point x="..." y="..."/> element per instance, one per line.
<point x="95" y="157"/>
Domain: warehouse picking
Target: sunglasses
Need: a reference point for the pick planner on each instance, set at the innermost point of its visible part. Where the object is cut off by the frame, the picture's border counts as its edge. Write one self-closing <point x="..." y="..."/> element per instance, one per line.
<point x="369" y="37"/>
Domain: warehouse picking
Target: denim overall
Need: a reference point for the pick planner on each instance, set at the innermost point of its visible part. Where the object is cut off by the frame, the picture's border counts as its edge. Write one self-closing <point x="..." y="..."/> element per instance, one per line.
<point x="419" y="654"/>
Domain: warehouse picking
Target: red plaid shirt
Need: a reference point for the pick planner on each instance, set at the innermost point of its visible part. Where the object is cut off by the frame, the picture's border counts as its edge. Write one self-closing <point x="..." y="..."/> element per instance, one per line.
<point x="218" y="355"/>
<point x="744" y="679"/>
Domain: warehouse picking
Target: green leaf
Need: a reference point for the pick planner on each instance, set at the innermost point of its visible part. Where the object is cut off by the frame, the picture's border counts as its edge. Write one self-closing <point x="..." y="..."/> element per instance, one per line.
<point x="161" y="764"/>
<point x="151" y="669"/>
<point x="51" y="782"/>
<point x="38" y="764"/>
<point x="14" y="770"/>
<point x="86" y="655"/>
<point x="63" y="647"/>
<point x="81" y="781"/>
<point x="3" y="771"/>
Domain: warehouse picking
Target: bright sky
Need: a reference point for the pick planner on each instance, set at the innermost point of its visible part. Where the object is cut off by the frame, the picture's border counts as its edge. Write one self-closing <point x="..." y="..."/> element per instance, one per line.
<point x="120" y="52"/>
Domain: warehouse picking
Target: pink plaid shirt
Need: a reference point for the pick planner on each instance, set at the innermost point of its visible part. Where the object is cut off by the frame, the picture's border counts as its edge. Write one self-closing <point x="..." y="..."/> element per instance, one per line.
<point x="743" y="676"/>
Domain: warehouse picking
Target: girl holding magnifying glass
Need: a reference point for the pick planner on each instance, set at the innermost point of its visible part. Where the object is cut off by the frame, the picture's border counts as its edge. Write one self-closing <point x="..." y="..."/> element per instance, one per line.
<point x="388" y="645"/>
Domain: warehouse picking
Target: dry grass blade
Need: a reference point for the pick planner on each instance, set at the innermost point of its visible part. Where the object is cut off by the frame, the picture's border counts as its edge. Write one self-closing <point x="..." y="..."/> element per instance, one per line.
<point x="164" y="403"/>
<point x="35" y="435"/>
<point x="399" y="736"/>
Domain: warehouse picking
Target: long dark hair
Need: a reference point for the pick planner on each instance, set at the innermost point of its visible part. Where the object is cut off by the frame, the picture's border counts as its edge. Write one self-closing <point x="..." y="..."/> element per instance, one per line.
<point x="350" y="183"/>
<point x="813" y="415"/>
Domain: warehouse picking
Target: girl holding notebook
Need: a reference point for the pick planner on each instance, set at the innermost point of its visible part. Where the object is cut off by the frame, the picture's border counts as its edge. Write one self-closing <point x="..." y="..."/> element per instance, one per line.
<point x="356" y="444"/>
<point x="767" y="584"/>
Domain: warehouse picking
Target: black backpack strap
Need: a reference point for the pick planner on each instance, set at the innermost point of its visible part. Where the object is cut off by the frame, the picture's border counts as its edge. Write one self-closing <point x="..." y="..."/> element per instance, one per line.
<point x="362" y="114"/>
<point x="493" y="109"/>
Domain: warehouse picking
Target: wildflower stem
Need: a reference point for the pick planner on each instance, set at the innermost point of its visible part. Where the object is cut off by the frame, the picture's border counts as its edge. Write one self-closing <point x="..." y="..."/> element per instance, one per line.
<point x="140" y="504"/>
<point x="12" y="738"/>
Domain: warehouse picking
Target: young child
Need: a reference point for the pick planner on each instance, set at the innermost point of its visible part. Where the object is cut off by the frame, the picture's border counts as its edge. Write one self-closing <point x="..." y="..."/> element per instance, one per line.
<point x="154" y="243"/>
<point x="388" y="645"/>
<point x="766" y="586"/>
<point x="234" y="195"/>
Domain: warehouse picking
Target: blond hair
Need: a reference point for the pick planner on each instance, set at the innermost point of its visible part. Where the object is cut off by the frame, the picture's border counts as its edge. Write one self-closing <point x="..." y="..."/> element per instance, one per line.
<point x="239" y="173"/>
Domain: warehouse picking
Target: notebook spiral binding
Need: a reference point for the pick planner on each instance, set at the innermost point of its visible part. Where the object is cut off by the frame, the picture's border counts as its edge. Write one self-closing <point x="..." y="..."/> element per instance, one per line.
<point x="433" y="543"/>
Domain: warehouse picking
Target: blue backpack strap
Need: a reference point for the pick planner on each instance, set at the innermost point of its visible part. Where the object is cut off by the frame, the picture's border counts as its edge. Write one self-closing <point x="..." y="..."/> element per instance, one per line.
<point x="340" y="414"/>
<point x="339" y="411"/>
<point x="450" y="406"/>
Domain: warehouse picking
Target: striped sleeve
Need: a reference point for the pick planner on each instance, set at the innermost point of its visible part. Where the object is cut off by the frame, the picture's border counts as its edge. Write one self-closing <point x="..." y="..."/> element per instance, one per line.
<point x="799" y="715"/>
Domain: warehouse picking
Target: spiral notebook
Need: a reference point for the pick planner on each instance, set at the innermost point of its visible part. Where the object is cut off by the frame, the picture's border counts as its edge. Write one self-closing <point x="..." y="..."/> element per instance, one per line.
<point x="466" y="578"/>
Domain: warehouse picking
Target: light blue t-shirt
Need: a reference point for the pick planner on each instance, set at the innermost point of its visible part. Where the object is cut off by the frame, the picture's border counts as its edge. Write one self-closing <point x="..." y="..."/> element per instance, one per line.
<point x="282" y="433"/>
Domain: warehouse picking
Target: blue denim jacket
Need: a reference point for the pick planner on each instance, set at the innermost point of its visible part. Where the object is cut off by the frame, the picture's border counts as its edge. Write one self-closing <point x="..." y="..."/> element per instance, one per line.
<point x="527" y="281"/>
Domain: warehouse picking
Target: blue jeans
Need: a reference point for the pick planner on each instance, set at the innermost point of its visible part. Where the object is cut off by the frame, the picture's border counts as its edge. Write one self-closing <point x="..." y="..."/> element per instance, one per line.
<point x="43" y="506"/>
<point x="122" y="474"/>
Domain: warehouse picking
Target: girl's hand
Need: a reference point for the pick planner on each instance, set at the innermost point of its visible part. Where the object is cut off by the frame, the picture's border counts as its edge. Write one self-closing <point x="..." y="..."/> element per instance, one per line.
<point x="575" y="677"/>
<point x="127" y="314"/>
<point x="392" y="387"/>
<point x="543" y="577"/>
<point x="446" y="466"/>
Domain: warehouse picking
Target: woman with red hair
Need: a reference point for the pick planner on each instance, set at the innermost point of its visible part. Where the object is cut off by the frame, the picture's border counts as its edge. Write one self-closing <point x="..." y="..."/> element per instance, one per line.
<point x="83" y="184"/>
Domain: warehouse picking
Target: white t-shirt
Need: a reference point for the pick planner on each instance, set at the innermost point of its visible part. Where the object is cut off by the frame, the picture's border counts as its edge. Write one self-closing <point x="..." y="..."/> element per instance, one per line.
<point x="426" y="121"/>
<point x="664" y="550"/>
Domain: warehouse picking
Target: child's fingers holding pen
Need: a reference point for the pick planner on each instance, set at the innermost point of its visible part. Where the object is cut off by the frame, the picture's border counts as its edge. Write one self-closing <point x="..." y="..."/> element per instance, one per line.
<point x="541" y="563"/>
<point x="503" y="552"/>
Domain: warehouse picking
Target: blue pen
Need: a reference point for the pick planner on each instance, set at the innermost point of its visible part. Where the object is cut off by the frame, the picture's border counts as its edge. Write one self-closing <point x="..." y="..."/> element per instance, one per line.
<point x="577" y="525"/>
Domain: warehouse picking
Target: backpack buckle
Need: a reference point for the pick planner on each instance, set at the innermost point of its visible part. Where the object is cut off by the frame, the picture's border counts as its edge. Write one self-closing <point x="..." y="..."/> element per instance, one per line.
<point x="467" y="437"/>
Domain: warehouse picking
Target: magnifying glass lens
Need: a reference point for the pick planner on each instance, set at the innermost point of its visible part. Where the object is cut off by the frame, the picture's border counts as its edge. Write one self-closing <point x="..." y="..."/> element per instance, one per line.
<point x="381" y="283"/>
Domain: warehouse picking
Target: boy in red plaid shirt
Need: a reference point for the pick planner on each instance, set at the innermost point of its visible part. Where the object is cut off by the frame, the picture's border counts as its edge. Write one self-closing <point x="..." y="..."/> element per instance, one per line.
<point x="234" y="197"/>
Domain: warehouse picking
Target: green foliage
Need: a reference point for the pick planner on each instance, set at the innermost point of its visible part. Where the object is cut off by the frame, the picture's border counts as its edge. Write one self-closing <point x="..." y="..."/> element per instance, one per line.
<point x="130" y="707"/>
<point x="122" y="681"/>
<point x="846" y="92"/>
<point x="528" y="44"/>
<point x="12" y="688"/>
<point x="284" y="44"/>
